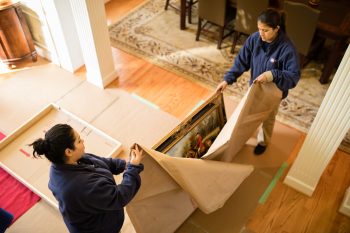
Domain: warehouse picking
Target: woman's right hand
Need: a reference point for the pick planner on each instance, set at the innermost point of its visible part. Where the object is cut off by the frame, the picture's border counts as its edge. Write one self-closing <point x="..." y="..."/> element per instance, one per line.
<point x="136" y="155"/>
<point x="221" y="87"/>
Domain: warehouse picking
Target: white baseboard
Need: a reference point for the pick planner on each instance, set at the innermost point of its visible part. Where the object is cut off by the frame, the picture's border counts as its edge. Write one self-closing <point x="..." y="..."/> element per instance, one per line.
<point x="107" y="79"/>
<point x="110" y="78"/>
<point x="299" y="185"/>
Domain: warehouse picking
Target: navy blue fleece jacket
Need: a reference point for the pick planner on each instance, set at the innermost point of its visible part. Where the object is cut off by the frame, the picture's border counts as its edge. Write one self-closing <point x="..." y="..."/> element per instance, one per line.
<point x="280" y="57"/>
<point x="89" y="199"/>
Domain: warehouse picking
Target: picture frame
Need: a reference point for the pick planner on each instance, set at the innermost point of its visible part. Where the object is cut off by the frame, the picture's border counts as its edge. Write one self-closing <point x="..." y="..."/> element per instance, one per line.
<point x="194" y="135"/>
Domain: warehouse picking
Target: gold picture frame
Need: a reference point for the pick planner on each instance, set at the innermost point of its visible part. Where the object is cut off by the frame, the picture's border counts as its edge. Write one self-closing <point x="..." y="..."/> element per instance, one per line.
<point x="194" y="135"/>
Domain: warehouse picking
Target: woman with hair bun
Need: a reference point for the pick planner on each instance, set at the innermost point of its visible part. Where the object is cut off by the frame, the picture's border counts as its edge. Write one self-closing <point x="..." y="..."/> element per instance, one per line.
<point x="83" y="184"/>
<point x="271" y="57"/>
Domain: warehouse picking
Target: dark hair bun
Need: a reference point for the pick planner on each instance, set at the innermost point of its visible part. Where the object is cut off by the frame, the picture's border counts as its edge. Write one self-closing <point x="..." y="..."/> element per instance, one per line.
<point x="40" y="146"/>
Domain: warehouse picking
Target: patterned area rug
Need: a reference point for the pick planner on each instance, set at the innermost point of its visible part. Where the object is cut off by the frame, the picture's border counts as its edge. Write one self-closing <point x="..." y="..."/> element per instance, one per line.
<point x="153" y="34"/>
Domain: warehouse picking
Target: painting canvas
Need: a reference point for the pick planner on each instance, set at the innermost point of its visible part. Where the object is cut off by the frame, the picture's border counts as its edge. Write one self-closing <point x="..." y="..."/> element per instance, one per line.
<point x="194" y="136"/>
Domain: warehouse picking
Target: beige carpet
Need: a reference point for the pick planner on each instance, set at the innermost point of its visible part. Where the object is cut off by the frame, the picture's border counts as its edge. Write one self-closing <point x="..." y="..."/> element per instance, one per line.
<point x="152" y="33"/>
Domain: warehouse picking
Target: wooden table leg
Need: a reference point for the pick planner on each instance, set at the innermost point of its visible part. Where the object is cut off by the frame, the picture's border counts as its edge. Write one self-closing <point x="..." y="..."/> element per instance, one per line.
<point x="332" y="60"/>
<point x="183" y="14"/>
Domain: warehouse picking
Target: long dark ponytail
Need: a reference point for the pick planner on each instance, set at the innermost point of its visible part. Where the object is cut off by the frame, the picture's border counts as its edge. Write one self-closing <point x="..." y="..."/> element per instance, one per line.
<point x="56" y="141"/>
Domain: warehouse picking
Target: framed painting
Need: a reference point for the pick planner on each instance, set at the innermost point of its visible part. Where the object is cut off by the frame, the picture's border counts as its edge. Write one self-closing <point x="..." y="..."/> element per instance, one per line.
<point x="194" y="135"/>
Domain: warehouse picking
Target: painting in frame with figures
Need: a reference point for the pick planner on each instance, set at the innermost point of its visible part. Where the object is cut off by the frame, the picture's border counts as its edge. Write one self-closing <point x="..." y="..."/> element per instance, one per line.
<point x="195" y="134"/>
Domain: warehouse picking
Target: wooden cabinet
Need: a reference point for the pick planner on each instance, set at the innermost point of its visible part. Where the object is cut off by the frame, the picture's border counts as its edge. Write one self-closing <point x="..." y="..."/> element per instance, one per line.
<point x="15" y="39"/>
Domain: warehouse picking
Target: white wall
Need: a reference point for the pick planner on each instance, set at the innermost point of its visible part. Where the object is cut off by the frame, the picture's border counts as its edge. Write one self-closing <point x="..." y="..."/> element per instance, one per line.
<point x="54" y="32"/>
<point x="64" y="33"/>
<point x="39" y="28"/>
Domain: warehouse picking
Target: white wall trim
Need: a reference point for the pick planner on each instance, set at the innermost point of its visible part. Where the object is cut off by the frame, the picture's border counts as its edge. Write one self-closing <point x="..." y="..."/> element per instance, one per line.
<point x="345" y="206"/>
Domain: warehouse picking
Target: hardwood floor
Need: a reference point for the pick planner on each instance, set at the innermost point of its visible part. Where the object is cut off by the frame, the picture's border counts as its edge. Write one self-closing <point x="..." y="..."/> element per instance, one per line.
<point x="116" y="9"/>
<point x="161" y="87"/>
<point x="286" y="210"/>
<point x="173" y="94"/>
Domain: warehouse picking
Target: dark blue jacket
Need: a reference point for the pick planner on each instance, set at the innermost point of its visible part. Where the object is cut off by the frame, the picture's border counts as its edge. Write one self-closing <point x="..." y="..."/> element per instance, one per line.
<point x="280" y="57"/>
<point x="89" y="199"/>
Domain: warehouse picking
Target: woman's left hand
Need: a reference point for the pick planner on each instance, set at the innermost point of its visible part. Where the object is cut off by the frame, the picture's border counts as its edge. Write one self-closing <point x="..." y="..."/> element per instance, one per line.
<point x="136" y="154"/>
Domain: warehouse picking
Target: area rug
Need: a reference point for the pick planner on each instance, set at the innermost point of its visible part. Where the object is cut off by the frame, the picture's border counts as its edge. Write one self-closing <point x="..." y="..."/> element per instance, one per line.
<point x="153" y="34"/>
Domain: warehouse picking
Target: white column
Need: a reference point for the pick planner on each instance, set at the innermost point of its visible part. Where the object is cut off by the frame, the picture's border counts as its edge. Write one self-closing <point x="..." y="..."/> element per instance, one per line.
<point x="90" y="20"/>
<point x="326" y="133"/>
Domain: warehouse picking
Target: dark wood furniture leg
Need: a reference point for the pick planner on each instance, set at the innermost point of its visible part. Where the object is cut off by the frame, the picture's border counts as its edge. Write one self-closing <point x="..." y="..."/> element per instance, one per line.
<point x="332" y="60"/>
<point x="183" y="14"/>
<point x="199" y="29"/>
<point x="190" y="3"/>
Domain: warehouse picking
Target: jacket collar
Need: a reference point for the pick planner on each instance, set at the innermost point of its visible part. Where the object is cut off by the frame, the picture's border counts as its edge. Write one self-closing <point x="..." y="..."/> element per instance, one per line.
<point x="270" y="46"/>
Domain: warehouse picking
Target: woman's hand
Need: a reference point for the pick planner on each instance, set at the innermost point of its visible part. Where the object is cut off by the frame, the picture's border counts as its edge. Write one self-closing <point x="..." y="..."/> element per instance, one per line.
<point x="136" y="155"/>
<point x="264" y="77"/>
<point x="221" y="87"/>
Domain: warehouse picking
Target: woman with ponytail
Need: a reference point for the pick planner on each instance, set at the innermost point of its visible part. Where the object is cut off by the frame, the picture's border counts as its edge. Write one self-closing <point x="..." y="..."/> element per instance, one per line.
<point x="271" y="57"/>
<point x="83" y="184"/>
